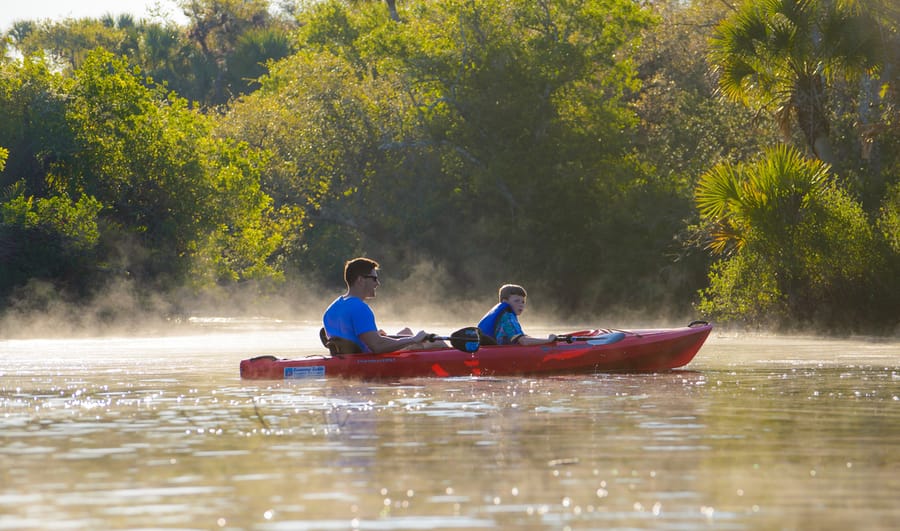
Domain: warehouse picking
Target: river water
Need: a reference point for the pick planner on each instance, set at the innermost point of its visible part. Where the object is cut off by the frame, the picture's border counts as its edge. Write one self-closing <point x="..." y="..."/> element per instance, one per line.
<point x="758" y="432"/>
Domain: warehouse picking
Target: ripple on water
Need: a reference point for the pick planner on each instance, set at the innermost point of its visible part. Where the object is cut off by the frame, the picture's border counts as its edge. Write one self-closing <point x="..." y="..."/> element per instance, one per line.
<point x="93" y="453"/>
<point x="387" y="523"/>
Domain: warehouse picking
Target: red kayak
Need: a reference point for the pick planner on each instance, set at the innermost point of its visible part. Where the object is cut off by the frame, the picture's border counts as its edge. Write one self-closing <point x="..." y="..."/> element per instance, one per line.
<point x="580" y="352"/>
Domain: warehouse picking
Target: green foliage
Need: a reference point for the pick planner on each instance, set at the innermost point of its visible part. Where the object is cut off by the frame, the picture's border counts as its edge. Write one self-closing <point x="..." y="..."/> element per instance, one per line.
<point x="246" y="233"/>
<point x="50" y="238"/>
<point x="797" y="246"/>
<point x="158" y="195"/>
<point x="217" y="56"/>
<point x="563" y="145"/>
<point x="33" y="128"/>
<point x="889" y="221"/>
<point x="783" y="56"/>
<point x="68" y="43"/>
<point x="744" y="289"/>
<point x="251" y="52"/>
<point x="74" y="221"/>
<point x="686" y="127"/>
<point x="497" y="114"/>
<point x="167" y="183"/>
<point x="137" y="154"/>
<point x="231" y="41"/>
<point x="759" y="202"/>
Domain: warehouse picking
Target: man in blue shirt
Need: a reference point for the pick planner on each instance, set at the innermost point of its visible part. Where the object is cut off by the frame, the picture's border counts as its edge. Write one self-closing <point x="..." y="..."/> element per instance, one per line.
<point x="349" y="317"/>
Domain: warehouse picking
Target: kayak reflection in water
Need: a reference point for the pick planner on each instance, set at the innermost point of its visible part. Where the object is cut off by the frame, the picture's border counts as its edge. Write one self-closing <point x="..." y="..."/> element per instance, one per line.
<point x="349" y="319"/>
<point x="501" y="323"/>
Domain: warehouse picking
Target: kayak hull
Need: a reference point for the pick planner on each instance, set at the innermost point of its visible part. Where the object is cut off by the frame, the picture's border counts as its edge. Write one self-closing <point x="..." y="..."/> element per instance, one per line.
<point x="629" y="351"/>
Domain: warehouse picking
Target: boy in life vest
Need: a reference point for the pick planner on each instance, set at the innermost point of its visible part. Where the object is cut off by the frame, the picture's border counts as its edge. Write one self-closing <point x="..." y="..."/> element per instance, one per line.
<point x="502" y="321"/>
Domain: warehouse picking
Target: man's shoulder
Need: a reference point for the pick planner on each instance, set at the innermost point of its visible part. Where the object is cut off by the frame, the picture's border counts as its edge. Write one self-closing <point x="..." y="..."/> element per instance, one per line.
<point x="349" y="304"/>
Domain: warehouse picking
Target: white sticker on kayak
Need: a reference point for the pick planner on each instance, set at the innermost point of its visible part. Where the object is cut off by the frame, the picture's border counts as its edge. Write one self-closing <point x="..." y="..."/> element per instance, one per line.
<point x="316" y="371"/>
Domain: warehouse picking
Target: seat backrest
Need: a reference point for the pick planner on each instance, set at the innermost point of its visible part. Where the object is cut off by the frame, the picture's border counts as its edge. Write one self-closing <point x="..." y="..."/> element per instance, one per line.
<point x="338" y="345"/>
<point x="486" y="339"/>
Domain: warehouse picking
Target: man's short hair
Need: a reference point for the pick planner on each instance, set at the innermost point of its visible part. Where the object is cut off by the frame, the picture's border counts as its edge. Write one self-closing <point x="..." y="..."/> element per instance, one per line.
<point x="358" y="267"/>
<point x="508" y="290"/>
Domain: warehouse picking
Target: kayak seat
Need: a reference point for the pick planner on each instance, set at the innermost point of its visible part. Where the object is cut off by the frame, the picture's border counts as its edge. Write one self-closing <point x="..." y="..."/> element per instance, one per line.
<point x="485" y="339"/>
<point x="338" y="345"/>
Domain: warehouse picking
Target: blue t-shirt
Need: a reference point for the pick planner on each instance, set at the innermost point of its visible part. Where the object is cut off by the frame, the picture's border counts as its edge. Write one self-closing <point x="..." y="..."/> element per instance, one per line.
<point x="349" y="317"/>
<point x="508" y="329"/>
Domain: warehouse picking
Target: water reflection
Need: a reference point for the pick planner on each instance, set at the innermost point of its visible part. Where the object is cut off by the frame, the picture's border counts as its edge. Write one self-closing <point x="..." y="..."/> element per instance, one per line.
<point x="161" y="433"/>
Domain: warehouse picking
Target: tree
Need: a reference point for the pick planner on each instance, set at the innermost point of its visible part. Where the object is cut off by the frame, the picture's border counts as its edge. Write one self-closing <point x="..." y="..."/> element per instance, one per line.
<point x="68" y="42"/>
<point x="464" y="133"/>
<point x="235" y="38"/>
<point x="527" y="102"/>
<point x="795" y="246"/>
<point x="169" y="188"/>
<point x="33" y="125"/>
<point x="784" y="55"/>
<point x="324" y="135"/>
<point x="53" y="239"/>
<point x="217" y="56"/>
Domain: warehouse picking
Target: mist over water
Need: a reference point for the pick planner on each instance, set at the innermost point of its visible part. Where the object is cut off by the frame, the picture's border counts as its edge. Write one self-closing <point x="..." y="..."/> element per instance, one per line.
<point x="159" y="431"/>
<point x="425" y="296"/>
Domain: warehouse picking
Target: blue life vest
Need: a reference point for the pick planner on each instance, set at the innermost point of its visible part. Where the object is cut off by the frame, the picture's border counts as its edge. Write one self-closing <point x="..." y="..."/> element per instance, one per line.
<point x="488" y="323"/>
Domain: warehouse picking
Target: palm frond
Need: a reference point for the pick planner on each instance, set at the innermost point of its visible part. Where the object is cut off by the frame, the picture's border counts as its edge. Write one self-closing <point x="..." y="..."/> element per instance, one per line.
<point x="718" y="190"/>
<point x="12" y="191"/>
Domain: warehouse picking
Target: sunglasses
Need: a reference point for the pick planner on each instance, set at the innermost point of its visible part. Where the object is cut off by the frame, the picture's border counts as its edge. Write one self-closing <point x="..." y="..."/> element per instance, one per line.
<point x="373" y="277"/>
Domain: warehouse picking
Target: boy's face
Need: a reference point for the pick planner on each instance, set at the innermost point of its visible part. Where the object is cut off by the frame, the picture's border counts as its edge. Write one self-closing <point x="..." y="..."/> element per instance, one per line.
<point x="517" y="303"/>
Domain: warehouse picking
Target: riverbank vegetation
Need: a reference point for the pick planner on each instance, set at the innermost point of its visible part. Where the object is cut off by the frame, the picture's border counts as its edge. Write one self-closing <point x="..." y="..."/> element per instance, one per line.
<point x="735" y="161"/>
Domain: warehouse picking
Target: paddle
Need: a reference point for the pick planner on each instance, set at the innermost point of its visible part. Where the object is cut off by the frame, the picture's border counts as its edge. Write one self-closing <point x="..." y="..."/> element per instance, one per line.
<point x="465" y="339"/>
<point x="602" y="339"/>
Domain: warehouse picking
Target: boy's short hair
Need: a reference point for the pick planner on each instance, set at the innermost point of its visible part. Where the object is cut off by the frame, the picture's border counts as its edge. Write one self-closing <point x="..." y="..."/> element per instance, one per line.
<point x="358" y="267"/>
<point x="508" y="290"/>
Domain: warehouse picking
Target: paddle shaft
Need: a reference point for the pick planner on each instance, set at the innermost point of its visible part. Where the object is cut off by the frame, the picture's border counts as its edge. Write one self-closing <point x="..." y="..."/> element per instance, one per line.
<point x="432" y="337"/>
<point x="464" y="339"/>
<point x="572" y="339"/>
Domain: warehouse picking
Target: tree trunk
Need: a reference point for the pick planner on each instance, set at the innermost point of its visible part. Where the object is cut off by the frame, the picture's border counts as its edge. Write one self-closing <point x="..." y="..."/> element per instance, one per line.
<point x="392" y="8"/>
<point x="809" y="104"/>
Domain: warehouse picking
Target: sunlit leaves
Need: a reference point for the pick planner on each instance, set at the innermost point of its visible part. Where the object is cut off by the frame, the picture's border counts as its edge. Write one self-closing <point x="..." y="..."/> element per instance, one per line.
<point x="889" y="221"/>
<point x="782" y="55"/>
<point x="164" y="180"/>
<point x="47" y="238"/>
<point x="807" y="238"/>
<point x="745" y="289"/>
<point x="758" y="200"/>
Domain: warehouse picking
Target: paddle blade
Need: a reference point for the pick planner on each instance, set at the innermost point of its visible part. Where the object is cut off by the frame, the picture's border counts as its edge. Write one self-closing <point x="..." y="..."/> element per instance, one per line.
<point x="606" y="339"/>
<point x="466" y="339"/>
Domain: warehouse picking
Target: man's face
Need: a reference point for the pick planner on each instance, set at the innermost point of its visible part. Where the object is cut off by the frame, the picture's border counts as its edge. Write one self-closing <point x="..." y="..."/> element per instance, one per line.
<point x="370" y="283"/>
<point x="517" y="303"/>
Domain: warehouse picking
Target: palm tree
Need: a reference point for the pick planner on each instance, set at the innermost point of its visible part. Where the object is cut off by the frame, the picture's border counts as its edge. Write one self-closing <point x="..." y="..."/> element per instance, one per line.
<point x="783" y="55"/>
<point x="759" y="202"/>
<point x="801" y="245"/>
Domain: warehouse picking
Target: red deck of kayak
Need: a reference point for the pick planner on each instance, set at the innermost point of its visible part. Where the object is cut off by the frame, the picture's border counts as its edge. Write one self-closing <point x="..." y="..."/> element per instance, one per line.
<point x="639" y="350"/>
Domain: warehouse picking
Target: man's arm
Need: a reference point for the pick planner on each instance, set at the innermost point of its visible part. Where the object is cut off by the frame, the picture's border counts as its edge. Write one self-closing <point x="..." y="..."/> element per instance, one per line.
<point x="380" y="344"/>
